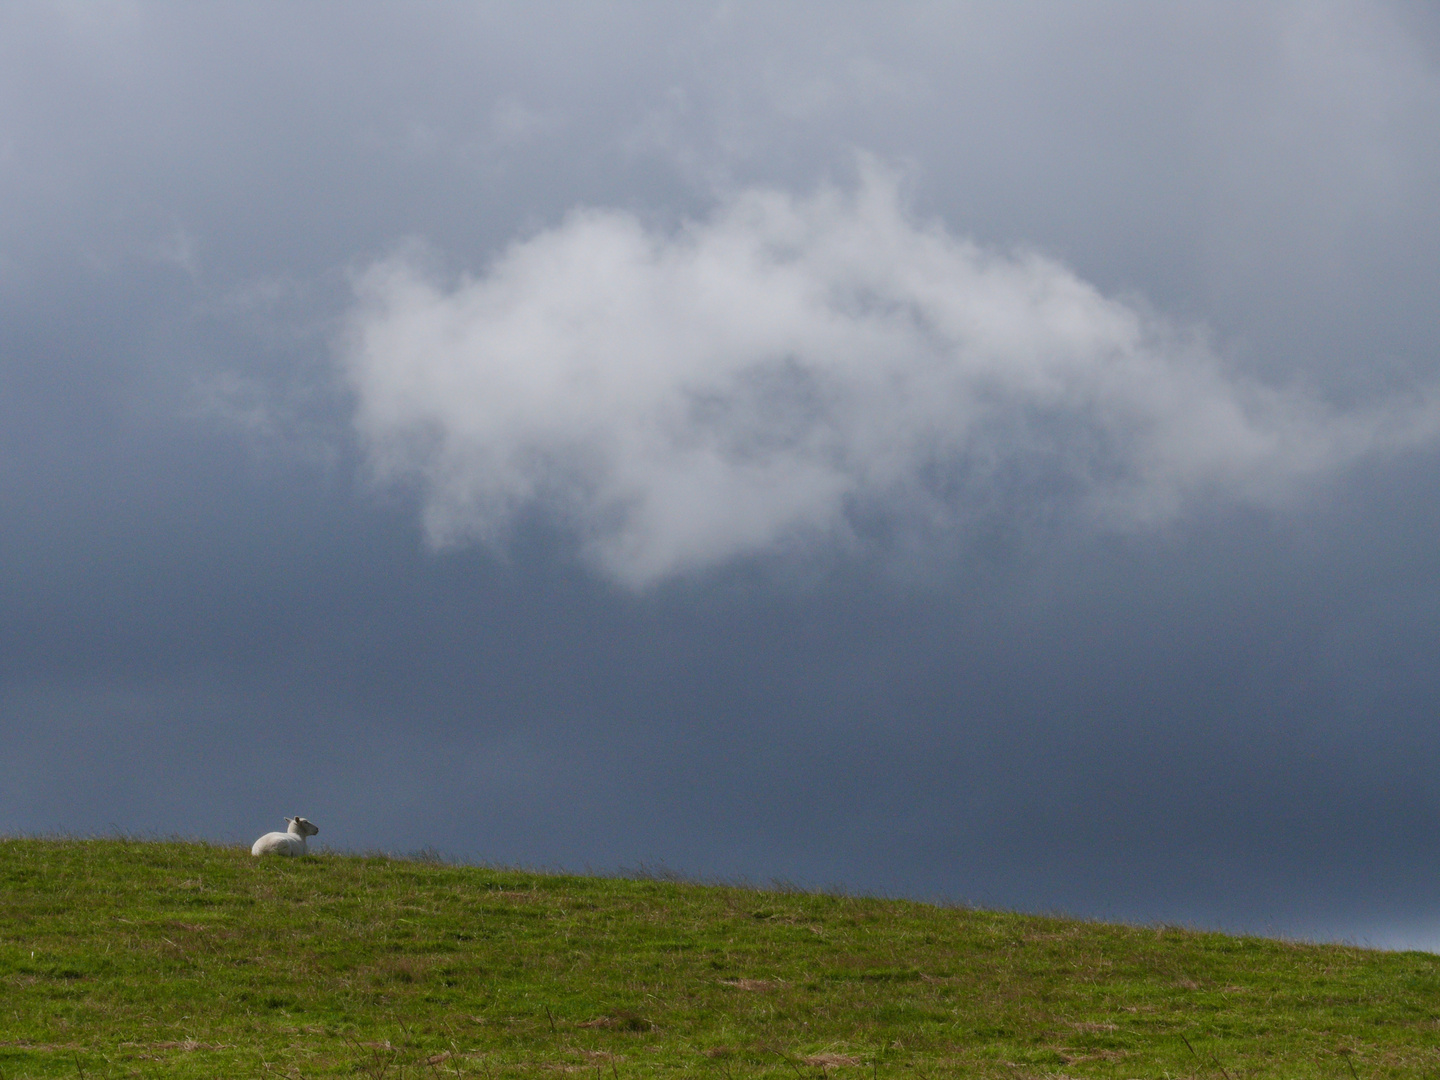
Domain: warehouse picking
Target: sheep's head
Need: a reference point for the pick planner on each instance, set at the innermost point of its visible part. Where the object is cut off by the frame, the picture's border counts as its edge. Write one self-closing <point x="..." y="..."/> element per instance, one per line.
<point x="302" y="827"/>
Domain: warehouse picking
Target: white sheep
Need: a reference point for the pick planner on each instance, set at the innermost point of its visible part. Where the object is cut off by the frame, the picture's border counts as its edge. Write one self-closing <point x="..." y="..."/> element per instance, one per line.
<point x="290" y="842"/>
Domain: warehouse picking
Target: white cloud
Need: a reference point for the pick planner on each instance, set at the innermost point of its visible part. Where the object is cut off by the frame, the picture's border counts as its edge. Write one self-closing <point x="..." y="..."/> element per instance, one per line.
<point x="790" y="366"/>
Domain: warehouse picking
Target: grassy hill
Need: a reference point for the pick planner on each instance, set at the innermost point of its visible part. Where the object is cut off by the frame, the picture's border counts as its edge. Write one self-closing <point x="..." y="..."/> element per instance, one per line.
<point x="122" y="958"/>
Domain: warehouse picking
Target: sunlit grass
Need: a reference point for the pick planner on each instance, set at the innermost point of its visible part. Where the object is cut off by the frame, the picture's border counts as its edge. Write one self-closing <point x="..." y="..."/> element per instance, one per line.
<point x="124" y="958"/>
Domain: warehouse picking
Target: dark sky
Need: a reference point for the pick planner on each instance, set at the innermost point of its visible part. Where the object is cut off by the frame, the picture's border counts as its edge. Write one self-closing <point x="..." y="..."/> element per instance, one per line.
<point x="984" y="453"/>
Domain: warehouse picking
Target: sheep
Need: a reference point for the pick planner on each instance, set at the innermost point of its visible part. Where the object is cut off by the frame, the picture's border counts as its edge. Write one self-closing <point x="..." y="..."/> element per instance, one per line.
<point x="290" y="842"/>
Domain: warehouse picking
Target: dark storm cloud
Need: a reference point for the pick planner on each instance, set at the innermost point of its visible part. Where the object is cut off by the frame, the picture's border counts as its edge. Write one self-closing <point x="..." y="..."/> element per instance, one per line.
<point x="210" y="616"/>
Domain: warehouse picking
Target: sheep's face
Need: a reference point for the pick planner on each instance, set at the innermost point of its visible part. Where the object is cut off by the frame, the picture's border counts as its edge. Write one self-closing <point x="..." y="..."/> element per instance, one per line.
<point x="302" y="827"/>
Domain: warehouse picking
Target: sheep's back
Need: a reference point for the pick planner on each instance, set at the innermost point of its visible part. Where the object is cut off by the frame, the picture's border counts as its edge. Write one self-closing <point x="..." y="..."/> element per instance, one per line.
<point x="278" y="843"/>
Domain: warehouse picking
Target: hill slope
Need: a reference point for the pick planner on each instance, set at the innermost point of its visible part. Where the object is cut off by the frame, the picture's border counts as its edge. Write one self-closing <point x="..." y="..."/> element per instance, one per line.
<point x="122" y="958"/>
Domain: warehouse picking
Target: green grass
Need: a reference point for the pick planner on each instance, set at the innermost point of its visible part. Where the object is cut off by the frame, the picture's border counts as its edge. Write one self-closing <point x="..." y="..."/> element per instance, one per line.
<point x="124" y="958"/>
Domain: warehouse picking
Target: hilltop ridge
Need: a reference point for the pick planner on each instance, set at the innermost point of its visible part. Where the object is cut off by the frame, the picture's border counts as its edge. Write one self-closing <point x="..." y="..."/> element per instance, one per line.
<point x="120" y="958"/>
